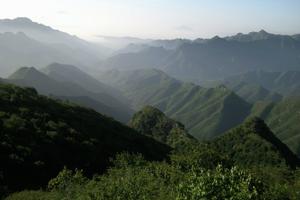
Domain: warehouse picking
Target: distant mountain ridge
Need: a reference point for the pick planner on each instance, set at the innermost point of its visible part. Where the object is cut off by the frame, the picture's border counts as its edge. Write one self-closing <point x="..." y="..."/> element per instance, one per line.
<point x="17" y="49"/>
<point x="253" y="36"/>
<point x="42" y="33"/>
<point x="27" y="43"/>
<point x="217" y="58"/>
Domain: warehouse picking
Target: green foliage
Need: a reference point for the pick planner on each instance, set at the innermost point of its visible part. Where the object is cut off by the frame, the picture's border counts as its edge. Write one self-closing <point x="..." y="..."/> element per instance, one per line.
<point x="152" y="122"/>
<point x="133" y="178"/>
<point x="198" y="156"/>
<point x="283" y="119"/>
<point x="252" y="143"/>
<point x="220" y="183"/>
<point x="35" y="195"/>
<point x="66" y="178"/>
<point x="39" y="136"/>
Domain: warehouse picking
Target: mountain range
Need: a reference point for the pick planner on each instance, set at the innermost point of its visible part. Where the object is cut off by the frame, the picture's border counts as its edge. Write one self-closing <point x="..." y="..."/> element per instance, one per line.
<point x="217" y="58"/>
<point x="148" y="119"/>
<point x="286" y="83"/>
<point x="191" y="60"/>
<point x="206" y="112"/>
<point x="39" y="136"/>
<point x="70" y="83"/>
<point x="35" y="44"/>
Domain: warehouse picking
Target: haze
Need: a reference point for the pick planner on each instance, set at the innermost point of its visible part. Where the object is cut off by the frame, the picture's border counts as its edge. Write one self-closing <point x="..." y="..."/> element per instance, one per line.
<point x="157" y="18"/>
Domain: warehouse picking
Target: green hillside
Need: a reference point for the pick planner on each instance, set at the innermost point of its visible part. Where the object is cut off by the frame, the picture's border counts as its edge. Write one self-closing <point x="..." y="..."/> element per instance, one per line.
<point x="283" y="119"/>
<point x="39" y="136"/>
<point x="206" y="113"/>
<point x="72" y="74"/>
<point x="152" y="122"/>
<point x="251" y="92"/>
<point x="64" y="88"/>
<point x="286" y="83"/>
<point x="252" y="144"/>
<point x="247" y="163"/>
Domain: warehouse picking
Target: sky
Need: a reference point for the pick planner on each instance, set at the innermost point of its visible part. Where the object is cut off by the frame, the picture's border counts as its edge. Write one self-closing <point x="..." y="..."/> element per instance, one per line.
<point x="159" y="18"/>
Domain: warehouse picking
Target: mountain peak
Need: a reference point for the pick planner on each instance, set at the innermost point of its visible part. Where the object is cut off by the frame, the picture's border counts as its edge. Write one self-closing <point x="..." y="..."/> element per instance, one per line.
<point x="262" y="31"/>
<point x="152" y="122"/>
<point x="23" y="24"/>
<point x="58" y="67"/>
<point x="254" y="143"/>
<point x="22" y="19"/>
<point x="26" y="72"/>
<point x="217" y="39"/>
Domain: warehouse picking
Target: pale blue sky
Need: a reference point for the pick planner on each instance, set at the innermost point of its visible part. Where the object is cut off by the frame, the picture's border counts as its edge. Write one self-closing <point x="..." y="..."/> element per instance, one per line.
<point x="159" y="18"/>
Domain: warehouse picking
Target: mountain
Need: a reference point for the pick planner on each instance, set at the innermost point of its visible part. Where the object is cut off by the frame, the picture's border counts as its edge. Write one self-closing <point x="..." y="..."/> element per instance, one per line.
<point x="283" y="118"/>
<point x="131" y="48"/>
<point x="296" y="37"/>
<point x="209" y="112"/>
<point x="253" y="144"/>
<point x="39" y="136"/>
<point x="254" y="36"/>
<point x="100" y="100"/>
<point x="250" y="92"/>
<point x="169" y="44"/>
<point x="152" y="122"/>
<point x="120" y="42"/>
<point x="48" y="35"/>
<point x="19" y="50"/>
<point x="218" y="58"/>
<point x="149" y="57"/>
<point x="70" y="73"/>
<point x="253" y="93"/>
<point x="206" y="113"/>
<point x="24" y="42"/>
<point x="285" y="83"/>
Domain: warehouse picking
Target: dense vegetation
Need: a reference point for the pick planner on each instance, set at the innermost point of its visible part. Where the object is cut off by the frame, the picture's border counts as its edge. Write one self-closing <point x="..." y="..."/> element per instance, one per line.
<point x="252" y="143"/>
<point x="154" y="123"/>
<point x="283" y="119"/>
<point x="39" y="136"/>
<point x="195" y="172"/>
